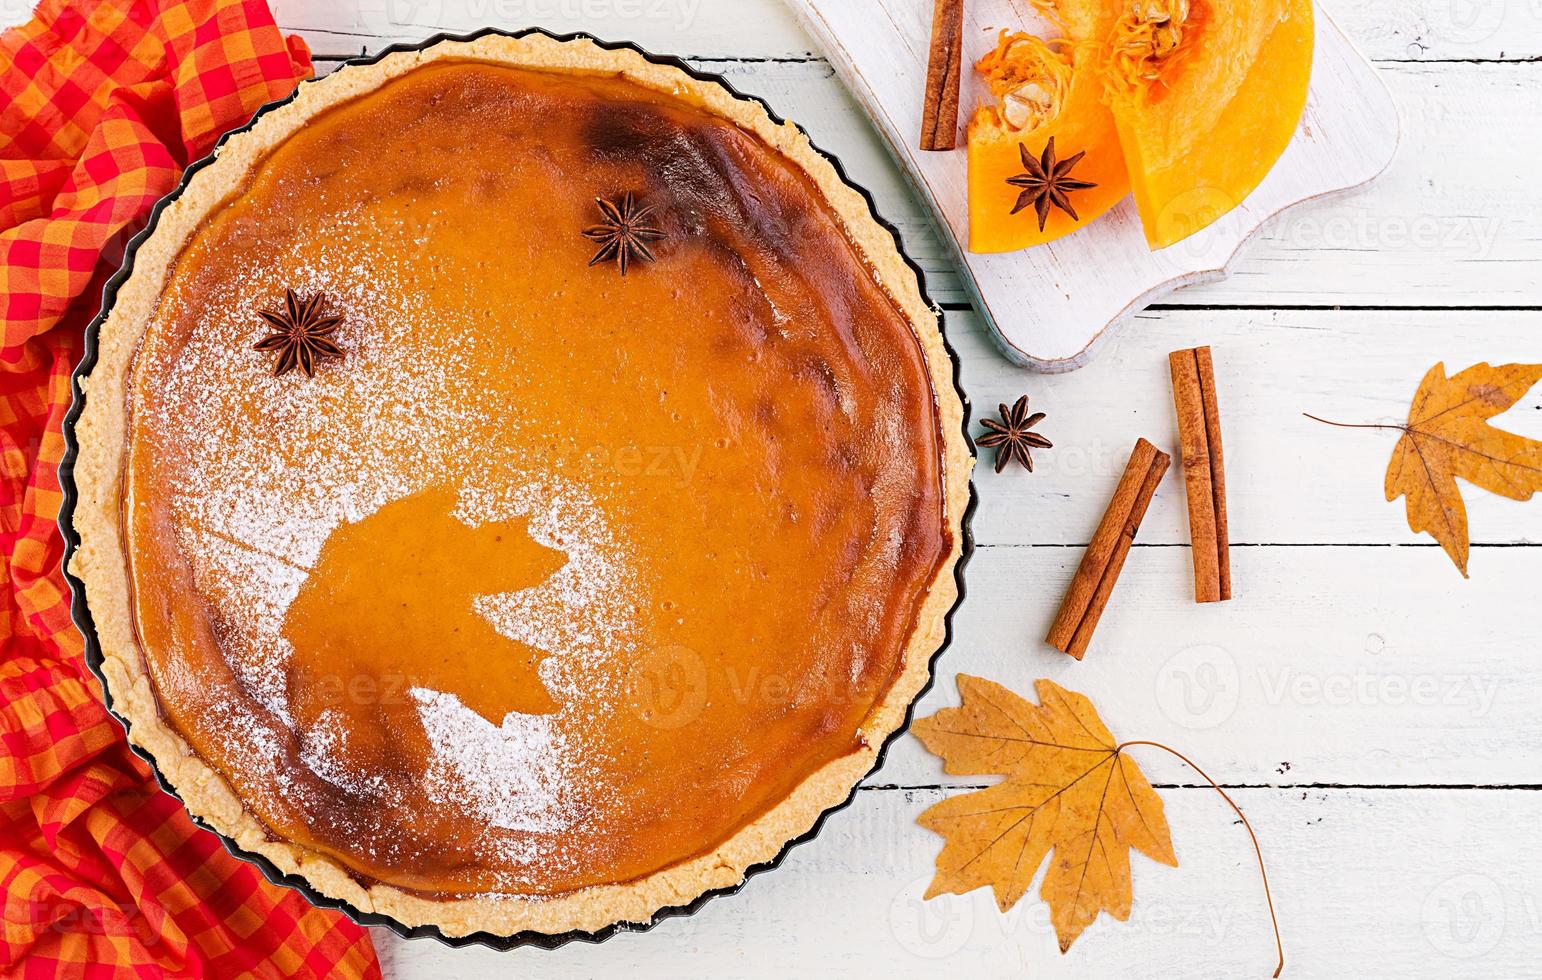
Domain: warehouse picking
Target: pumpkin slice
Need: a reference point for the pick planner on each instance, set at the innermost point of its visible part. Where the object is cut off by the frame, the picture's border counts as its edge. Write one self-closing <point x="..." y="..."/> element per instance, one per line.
<point x="1044" y="90"/>
<point x="1206" y="96"/>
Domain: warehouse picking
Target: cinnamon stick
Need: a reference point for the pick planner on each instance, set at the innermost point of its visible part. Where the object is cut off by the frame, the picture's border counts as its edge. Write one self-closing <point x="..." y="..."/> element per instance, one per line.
<point x="1104" y="560"/>
<point x="939" y="114"/>
<point x="1204" y="471"/>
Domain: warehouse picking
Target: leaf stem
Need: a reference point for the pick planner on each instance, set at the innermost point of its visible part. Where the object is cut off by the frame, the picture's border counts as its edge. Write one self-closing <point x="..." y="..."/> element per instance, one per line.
<point x="1268" y="896"/>
<point x="1350" y="425"/>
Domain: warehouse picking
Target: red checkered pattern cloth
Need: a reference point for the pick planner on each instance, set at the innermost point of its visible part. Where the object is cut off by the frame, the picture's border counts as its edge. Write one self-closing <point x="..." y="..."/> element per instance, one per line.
<point x="102" y="103"/>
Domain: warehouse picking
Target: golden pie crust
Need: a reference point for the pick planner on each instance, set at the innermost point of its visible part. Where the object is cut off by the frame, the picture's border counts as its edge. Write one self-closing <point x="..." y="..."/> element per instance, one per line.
<point x="103" y="562"/>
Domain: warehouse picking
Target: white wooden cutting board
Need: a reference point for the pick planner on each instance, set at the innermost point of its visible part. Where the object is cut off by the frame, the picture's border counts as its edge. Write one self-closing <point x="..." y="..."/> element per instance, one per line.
<point x="1049" y="307"/>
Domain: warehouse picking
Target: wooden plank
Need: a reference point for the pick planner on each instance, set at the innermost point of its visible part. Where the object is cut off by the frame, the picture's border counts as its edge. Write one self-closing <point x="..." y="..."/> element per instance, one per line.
<point x="1399" y="30"/>
<point x="1290" y="480"/>
<point x="1438" y="228"/>
<point x="1332" y="665"/>
<point x="1435" y="229"/>
<point x="1453" y="222"/>
<point x="1438" y="889"/>
<point x="701" y="28"/>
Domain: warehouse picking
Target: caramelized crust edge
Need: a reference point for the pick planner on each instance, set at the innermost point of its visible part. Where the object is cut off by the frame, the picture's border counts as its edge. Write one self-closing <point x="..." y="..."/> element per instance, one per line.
<point x="101" y="564"/>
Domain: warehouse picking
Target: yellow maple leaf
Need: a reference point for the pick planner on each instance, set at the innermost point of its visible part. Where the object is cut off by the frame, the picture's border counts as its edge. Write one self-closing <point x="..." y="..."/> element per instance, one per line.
<point x="1448" y="436"/>
<point x="1069" y="788"/>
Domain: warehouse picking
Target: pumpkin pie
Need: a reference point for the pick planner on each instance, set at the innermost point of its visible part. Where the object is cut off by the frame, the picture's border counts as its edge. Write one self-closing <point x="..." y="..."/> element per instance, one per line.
<point x="520" y="487"/>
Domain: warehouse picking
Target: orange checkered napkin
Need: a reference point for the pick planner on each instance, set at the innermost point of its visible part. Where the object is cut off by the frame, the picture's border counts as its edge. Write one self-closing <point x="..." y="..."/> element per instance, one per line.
<point x="102" y="103"/>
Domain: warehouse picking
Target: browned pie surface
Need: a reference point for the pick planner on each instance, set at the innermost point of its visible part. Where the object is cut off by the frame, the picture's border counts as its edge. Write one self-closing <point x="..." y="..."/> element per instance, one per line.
<point x="559" y="578"/>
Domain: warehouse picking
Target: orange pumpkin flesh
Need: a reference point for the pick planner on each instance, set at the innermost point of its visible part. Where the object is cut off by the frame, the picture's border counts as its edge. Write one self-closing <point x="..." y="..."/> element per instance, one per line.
<point x="1206" y="98"/>
<point x="1189" y="103"/>
<point x="1043" y="89"/>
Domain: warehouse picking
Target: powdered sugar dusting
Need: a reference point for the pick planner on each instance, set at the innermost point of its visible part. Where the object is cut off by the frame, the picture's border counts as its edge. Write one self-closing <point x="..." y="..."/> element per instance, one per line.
<point x="257" y="522"/>
<point x="583" y="615"/>
<point x="514" y="772"/>
<point x="320" y="747"/>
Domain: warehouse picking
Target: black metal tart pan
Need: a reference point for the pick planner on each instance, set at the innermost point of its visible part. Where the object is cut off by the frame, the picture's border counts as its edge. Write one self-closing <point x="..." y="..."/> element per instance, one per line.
<point x="81" y="613"/>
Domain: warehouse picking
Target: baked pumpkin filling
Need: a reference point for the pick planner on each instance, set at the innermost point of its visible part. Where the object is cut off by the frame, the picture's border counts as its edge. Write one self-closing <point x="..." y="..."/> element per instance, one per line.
<point x="558" y="577"/>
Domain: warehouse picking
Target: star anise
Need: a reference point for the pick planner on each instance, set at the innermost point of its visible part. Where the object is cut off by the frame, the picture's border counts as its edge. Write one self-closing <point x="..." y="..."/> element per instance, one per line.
<point x="1047" y="182"/>
<point x="1012" y="437"/>
<point x="301" y="334"/>
<point x="623" y="232"/>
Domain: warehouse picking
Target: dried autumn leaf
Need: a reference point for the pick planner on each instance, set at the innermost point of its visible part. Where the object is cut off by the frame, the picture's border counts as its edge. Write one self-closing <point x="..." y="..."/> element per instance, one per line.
<point x="1069" y="788"/>
<point x="1448" y="436"/>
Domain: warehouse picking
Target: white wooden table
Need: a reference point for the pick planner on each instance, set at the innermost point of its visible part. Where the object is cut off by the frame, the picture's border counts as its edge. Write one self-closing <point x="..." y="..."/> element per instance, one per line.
<point x="1380" y="718"/>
